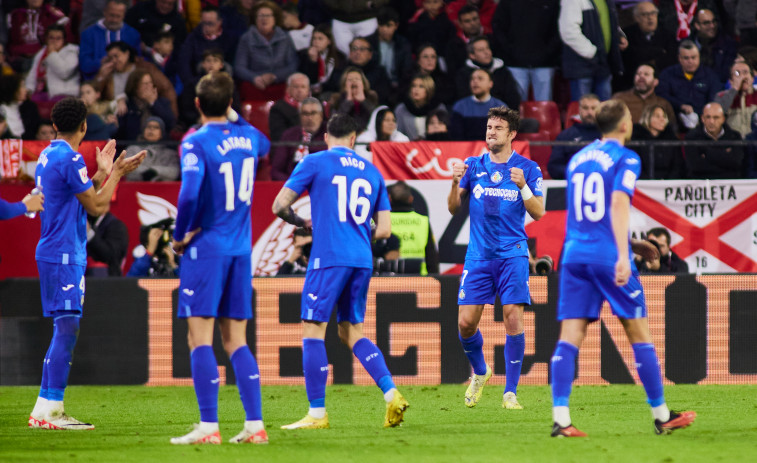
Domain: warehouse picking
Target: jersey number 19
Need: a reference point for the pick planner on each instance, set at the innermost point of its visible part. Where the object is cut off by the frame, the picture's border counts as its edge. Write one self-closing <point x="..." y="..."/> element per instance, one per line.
<point x="591" y="192"/>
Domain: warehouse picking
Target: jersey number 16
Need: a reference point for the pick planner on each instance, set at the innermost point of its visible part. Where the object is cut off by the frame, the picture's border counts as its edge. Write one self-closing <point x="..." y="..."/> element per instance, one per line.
<point x="355" y="199"/>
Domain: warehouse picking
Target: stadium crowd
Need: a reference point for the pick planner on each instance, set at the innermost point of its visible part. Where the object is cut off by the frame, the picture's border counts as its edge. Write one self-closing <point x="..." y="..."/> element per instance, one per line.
<point x="686" y="69"/>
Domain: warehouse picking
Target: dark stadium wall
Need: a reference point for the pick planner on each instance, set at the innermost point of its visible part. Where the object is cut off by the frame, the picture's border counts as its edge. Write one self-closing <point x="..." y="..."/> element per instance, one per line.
<point x="704" y="328"/>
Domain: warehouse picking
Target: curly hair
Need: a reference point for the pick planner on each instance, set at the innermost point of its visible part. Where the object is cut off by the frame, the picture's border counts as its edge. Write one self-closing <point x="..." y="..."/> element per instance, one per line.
<point x="69" y="114"/>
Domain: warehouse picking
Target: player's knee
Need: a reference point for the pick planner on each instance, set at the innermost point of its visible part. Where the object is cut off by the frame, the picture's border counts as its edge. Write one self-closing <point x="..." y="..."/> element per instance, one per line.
<point x="466" y="328"/>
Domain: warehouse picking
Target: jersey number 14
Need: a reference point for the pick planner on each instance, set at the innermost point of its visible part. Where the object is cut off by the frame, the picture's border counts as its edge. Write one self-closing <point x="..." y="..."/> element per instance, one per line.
<point x="245" y="183"/>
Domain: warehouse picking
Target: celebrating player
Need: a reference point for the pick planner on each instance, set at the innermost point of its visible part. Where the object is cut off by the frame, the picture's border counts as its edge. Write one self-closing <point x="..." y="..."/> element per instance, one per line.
<point x="596" y="267"/>
<point x="345" y="192"/>
<point x="214" y="232"/>
<point x="505" y="186"/>
<point x="62" y="249"/>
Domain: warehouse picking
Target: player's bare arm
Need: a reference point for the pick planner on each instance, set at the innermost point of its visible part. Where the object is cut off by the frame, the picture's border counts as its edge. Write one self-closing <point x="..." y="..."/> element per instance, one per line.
<point x="383" y="225"/>
<point x="104" y="159"/>
<point x="645" y="249"/>
<point x="534" y="204"/>
<point x="96" y="203"/>
<point x="179" y="246"/>
<point x="282" y="207"/>
<point x="620" y="210"/>
<point x="456" y="194"/>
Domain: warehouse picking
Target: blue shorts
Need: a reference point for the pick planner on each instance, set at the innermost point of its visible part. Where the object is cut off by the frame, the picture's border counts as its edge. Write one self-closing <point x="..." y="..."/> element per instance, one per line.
<point x="584" y="287"/>
<point x="62" y="289"/>
<point x="482" y="279"/>
<point x="345" y="287"/>
<point x="219" y="287"/>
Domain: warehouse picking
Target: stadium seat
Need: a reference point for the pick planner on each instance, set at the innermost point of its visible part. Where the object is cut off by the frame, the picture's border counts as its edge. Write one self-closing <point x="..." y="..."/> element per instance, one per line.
<point x="571" y="113"/>
<point x="547" y="113"/>
<point x="539" y="154"/>
<point x="256" y="113"/>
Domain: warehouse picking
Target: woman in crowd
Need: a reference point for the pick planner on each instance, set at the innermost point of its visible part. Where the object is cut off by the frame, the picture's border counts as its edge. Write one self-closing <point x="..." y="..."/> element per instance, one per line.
<point x="21" y="114"/>
<point x="418" y="103"/>
<point x="162" y="162"/>
<point x="382" y="127"/>
<point x="143" y="102"/>
<point x="322" y="58"/>
<point x="427" y="63"/>
<point x="55" y="68"/>
<point x="668" y="160"/>
<point x="355" y="98"/>
<point x="101" y="114"/>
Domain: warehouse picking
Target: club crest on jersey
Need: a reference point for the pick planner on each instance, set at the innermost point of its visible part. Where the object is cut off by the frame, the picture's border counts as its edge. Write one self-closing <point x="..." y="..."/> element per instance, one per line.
<point x="496" y="177"/>
<point x="461" y="295"/>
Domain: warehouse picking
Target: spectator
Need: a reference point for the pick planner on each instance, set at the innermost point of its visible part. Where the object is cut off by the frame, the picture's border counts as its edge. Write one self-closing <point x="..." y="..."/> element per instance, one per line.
<point x="55" y="69"/>
<point x="352" y="18"/>
<point x="5" y="68"/>
<point x="642" y="94"/>
<point x="309" y="134"/>
<point x="110" y="29"/>
<point x="485" y="9"/>
<point x="480" y="57"/>
<point x="436" y="126"/>
<point x="163" y="57"/>
<point x="21" y="114"/>
<point x="430" y="24"/>
<point x="285" y="113"/>
<point x="381" y="127"/>
<point x="591" y="54"/>
<point x="647" y="265"/>
<point x="412" y="229"/>
<point x="107" y="242"/>
<point x="210" y="34"/>
<point x="265" y="55"/>
<point x="392" y="51"/>
<point x="687" y="85"/>
<point x="717" y="51"/>
<point x="143" y="102"/>
<point x="101" y="117"/>
<point x="212" y="61"/>
<point x="745" y="14"/>
<point x="714" y="161"/>
<point x="647" y="43"/>
<point x="583" y="130"/>
<point x="355" y="98"/>
<point x="297" y="263"/>
<point x="677" y="15"/>
<point x="470" y="27"/>
<point x="414" y="110"/>
<point x="527" y="39"/>
<point x="428" y="64"/>
<point x="154" y="257"/>
<point x="361" y="57"/>
<point x="91" y="12"/>
<point x="750" y="154"/>
<point x="236" y="16"/>
<point x="45" y="131"/>
<point x="669" y="261"/>
<point x="321" y="59"/>
<point x="740" y="99"/>
<point x="469" y="114"/>
<point x="162" y="161"/>
<point x="300" y="32"/>
<point x="152" y="16"/>
<point x="120" y="62"/>
<point x="668" y="161"/>
<point x="27" y="27"/>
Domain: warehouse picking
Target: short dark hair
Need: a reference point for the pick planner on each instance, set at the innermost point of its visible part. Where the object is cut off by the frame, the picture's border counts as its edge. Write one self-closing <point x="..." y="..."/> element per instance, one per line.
<point x="651" y="65"/>
<point x="163" y="35"/>
<point x="362" y="39"/>
<point x="212" y="9"/>
<point x="687" y="45"/>
<point x="341" y="125"/>
<point x="56" y="27"/>
<point x="400" y="193"/>
<point x="441" y="115"/>
<point x="69" y="114"/>
<point x="660" y="231"/>
<point x="215" y="91"/>
<point x="477" y="39"/>
<point x="466" y="9"/>
<point x="511" y="116"/>
<point x="124" y="47"/>
<point x="609" y="115"/>
<point x="387" y="15"/>
<point x="217" y="52"/>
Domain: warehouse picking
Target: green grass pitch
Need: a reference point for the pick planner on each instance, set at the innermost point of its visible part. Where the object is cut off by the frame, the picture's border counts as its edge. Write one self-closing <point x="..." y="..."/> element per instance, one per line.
<point x="134" y="424"/>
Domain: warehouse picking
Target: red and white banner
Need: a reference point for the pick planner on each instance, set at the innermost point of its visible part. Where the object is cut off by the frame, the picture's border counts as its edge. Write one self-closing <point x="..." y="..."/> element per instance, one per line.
<point x="10" y="158"/>
<point x="428" y="160"/>
<point x="18" y="158"/>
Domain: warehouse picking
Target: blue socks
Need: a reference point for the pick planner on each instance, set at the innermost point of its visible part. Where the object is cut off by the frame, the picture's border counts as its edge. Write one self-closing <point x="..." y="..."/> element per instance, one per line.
<point x="649" y="372"/>
<point x="473" y="348"/>
<point x="315" y="364"/>
<point x="59" y="355"/>
<point x="515" y="348"/>
<point x="373" y="362"/>
<point x="563" y="369"/>
<point x="248" y="382"/>
<point x="45" y="374"/>
<point x="206" y="381"/>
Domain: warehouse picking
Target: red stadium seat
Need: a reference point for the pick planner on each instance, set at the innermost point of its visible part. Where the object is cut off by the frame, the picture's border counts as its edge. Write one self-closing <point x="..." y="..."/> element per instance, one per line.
<point x="539" y="154"/>
<point x="256" y="113"/>
<point x="546" y="112"/>
<point x="571" y="113"/>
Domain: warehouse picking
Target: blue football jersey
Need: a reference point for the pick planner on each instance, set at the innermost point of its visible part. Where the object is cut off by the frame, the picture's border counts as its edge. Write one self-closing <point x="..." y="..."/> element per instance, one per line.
<point x="593" y="174"/>
<point x="345" y="192"/>
<point x="218" y="165"/>
<point x="62" y="174"/>
<point x="497" y="211"/>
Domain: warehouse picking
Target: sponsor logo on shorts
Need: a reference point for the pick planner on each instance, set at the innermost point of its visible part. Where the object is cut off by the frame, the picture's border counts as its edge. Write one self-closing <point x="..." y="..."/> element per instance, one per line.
<point x="326" y="368"/>
<point x="312" y="297"/>
<point x="372" y="356"/>
<point x="556" y="358"/>
<point x="188" y="292"/>
<point x="67" y="287"/>
<point x="215" y="381"/>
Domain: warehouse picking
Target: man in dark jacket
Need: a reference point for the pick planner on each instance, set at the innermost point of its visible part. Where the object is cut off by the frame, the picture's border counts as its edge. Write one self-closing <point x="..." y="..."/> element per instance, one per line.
<point x="583" y="130"/>
<point x="309" y="133"/>
<point x="591" y="54"/>
<point x="708" y="162"/>
<point x="470" y="28"/>
<point x="480" y="57"/>
<point x="648" y="43"/>
<point x="107" y="241"/>
<point x="717" y="50"/>
<point x="391" y="50"/>
<point x="210" y="34"/>
<point x="669" y="261"/>
<point x="285" y="113"/>
<point x="527" y="39"/>
<point x="152" y="16"/>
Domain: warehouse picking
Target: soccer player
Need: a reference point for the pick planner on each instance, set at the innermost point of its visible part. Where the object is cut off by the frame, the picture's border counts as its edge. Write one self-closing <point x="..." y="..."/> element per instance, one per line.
<point x="345" y="193"/>
<point x="30" y="203"/>
<point x="505" y="186"/>
<point x="596" y="266"/>
<point x="62" y="249"/>
<point x="214" y="232"/>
